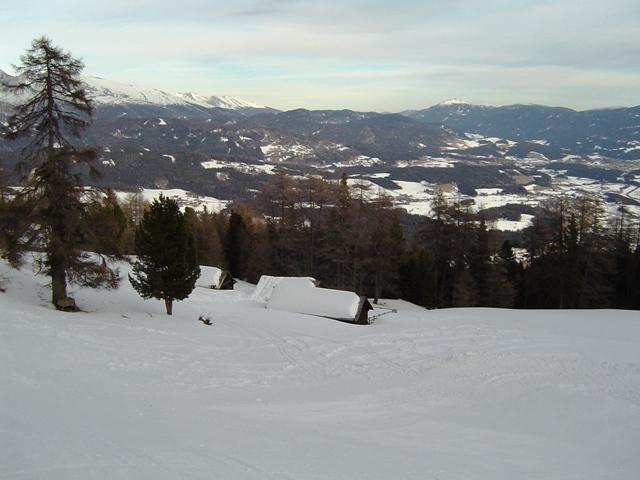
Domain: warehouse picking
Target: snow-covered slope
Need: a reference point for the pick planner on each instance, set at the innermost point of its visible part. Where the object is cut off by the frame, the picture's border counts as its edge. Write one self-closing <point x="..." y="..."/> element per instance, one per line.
<point x="108" y="92"/>
<point x="122" y="391"/>
<point x="217" y="101"/>
<point x="453" y="101"/>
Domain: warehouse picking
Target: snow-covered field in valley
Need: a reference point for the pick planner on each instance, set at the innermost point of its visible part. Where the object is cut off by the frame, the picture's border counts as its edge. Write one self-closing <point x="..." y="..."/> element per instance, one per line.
<point x="121" y="391"/>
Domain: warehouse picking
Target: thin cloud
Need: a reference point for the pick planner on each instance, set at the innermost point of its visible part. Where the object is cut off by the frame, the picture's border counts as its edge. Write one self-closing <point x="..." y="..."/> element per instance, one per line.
<point x="264" y="8"/>
<point x="367" y="54"/>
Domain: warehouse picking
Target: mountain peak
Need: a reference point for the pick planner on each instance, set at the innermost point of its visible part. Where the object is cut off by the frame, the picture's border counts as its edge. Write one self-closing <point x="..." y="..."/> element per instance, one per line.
<point x="453" y="101"/>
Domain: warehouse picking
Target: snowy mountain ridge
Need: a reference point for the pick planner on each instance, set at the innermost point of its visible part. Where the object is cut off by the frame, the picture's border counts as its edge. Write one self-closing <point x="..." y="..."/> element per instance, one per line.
<point x="105" y="91"/>
<point x="219" y="101"/>
<point x="108" y="92"/>
<point x="453" y="101"/>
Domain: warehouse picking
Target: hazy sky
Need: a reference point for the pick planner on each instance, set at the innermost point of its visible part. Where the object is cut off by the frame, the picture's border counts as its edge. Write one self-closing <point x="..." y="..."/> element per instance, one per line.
<point x="362" y="54"/>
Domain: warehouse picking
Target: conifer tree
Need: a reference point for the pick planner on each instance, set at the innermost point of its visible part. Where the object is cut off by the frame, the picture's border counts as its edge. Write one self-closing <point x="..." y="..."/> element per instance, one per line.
<point x="49" y="210"/>
<point x="167" y="265"/>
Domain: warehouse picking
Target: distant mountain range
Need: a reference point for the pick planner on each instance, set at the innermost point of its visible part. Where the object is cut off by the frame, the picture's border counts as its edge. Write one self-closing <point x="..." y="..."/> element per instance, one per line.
<point x="609" y="132"/>
<point x="226" y="147"/>
<point x="133" y="99"/>
<point x="553" y="131"/>
<point x="108" y="93"/>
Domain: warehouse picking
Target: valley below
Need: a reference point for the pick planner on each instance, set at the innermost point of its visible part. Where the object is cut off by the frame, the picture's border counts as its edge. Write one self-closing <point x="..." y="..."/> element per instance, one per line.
<point x="500" y="162"/>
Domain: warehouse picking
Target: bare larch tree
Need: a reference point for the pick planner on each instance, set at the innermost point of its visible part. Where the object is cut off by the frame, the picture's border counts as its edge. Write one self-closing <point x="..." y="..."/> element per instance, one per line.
<point x="49" y="209"/>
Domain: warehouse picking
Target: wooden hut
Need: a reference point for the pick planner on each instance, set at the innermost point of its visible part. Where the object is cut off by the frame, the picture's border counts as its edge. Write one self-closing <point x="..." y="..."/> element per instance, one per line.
<point x="215" y="278"/>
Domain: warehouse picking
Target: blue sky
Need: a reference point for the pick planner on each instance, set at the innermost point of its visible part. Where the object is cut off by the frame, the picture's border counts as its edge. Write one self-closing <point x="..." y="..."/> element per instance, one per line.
<point x="365" y="55"/>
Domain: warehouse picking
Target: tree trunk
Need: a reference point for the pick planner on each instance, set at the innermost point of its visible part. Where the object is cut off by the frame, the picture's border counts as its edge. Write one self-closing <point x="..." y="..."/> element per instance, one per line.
<point x="58" y="280"/>
<point x="168" y="303"/>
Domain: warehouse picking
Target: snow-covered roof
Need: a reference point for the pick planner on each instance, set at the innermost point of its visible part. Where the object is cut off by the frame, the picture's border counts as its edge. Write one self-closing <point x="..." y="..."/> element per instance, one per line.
<point x="267" y="283"/>
<point x="209" y="276"/>
<point x="298" y="297"/>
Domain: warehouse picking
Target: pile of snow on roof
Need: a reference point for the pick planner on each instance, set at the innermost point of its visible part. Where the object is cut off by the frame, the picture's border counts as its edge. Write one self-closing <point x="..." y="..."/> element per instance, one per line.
<point x="267" y="284"/>
<point x="295" y="296"/>
<point x="209" y="276"/>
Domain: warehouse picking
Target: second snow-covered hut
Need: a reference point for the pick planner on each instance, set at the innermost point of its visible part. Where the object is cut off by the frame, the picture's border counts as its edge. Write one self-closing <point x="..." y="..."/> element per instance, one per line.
<point x="215" y="278"/>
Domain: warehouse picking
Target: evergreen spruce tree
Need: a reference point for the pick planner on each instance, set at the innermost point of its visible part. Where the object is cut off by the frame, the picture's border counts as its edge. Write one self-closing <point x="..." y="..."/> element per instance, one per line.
<point x="49" y="212"/>
<point x="167" y="265"/>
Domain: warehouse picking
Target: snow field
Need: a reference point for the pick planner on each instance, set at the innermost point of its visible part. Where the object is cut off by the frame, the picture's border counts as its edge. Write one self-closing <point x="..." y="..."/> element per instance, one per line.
<point x="183" y="197"/>
<point x="122" y="391"/>
<point x="243" y="167"/>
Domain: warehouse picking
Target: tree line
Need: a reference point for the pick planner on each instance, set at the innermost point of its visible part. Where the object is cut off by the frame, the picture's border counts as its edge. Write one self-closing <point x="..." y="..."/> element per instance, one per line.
<point x="348" y="237"/>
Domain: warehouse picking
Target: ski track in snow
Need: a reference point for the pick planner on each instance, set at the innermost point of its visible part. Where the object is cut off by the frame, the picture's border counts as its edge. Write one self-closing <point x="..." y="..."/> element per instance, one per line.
<point x="122" y="391"/>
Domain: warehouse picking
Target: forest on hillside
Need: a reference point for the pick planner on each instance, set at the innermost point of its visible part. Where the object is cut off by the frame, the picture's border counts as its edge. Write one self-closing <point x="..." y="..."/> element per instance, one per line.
<point x="350" y="238"/>
<point x="353" y="239"/>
